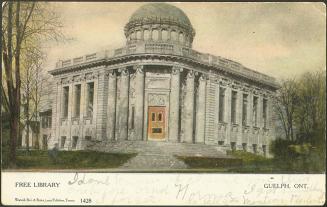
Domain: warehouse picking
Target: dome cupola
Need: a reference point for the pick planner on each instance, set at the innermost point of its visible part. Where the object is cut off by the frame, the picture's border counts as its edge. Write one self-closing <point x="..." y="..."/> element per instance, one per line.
<point x="159" y="22"/>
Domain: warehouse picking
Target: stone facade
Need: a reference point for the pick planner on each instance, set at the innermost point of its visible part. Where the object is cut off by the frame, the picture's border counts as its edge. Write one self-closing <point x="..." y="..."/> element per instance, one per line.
<point x="157" y="88"/>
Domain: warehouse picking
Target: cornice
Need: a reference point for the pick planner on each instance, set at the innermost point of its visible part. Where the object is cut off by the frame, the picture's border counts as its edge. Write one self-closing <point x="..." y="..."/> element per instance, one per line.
<point x="211" y="69"/>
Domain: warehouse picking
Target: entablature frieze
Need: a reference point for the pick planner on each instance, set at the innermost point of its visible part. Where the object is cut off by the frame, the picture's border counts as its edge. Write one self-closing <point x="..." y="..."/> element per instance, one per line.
<point x="183" y="65"/>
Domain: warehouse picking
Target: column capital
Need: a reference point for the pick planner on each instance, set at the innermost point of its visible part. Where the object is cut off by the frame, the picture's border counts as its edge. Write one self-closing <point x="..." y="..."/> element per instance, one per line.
<point x="190" y="74"/>
<point x="176" y="69"/>
<point x="203" y="77"/>
<point x="139" y="68"/>
<point x="124" y="71"/>
<point x="112" y="73"/>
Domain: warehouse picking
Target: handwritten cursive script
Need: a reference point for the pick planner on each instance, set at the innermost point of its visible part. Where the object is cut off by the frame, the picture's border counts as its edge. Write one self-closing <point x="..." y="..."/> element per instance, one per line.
<point x="82" y="180"/>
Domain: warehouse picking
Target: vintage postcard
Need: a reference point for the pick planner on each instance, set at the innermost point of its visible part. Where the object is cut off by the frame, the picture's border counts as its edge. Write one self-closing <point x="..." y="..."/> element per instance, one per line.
<point x="163" y="103"/>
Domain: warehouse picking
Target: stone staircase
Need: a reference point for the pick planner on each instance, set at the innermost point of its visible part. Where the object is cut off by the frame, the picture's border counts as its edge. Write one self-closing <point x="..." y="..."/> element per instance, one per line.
<point x="159" y="148"/>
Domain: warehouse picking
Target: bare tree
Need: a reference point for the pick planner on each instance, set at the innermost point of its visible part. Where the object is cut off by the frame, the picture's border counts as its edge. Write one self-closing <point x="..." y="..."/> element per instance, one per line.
<point x="285" y="104"/>
<point x="30" y="84"/>
<point x="301" y="106"/>
<point x="24" y="24"/>
<point x="311" y="109"/>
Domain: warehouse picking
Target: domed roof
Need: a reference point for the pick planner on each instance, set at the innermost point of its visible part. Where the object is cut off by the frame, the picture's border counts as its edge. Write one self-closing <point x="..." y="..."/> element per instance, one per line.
<point x="160" y="11"/>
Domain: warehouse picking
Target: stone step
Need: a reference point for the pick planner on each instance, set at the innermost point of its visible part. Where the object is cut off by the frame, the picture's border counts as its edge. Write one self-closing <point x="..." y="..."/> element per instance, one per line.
<point x="160" y="148"/>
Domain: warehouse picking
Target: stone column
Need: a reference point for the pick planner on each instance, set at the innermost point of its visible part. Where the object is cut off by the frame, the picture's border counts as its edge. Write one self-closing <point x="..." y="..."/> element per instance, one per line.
<point x="211" y="111"/>
<point x="228" y="103"/>
<point x="102" y="101"/>
<point x="111" y="109"/>
<point x="260" y="120"/>
<point x="150" y="34"/>
<point x="189" y="107"/>
<point x="70" y="115"/>
<point x="56" y="115"/>
<point x="169" y="34"/>
<point x="200" y="111"/>
<point x="239" y="112"/>
<point x="142" y="34"/>
<point x="123" y="106"/>
<point x="159" y="34"/>
<point x="139" y="102"/>
<point x="81" y="115"/>
<point x="250" y="119"/>
<point x="270" y="118"/>
<point x="174" y="104"/>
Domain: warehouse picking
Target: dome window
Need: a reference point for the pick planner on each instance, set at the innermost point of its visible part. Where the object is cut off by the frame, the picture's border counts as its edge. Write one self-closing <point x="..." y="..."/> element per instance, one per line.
<point x="146" y="34"/>
<point x="155" y="35"/>
<point x="138" y="35"/>
<point x="164" y="35"/>
<point x="133" y="36"/>
<point x="173" y="35"/>
<point x="181" y="37"/>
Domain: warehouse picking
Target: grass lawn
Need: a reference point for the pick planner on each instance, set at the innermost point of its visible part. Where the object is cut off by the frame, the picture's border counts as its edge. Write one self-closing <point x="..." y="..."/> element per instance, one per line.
<point x="243" y="162"/>
<point x="253" y="163"/>
<point x="205" y="163"/>
<point x="39" y="159"/>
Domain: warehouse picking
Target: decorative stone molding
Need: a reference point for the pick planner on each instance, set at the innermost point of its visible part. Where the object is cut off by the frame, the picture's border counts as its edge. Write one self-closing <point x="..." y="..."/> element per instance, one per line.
<point x="157" y="100"/>
<point x="203" y="77"/>
<point x="90" y="76"/>
<point x="66" y="80"/>
<point x="124" y="72"/>
<point x="176" y="70"/>
<point x="190" y="74"/>
<point x="77" y="78"/>
<point x="112" y="73"/>
<point x="132" y="92"/>
<point x="139" y="69"/>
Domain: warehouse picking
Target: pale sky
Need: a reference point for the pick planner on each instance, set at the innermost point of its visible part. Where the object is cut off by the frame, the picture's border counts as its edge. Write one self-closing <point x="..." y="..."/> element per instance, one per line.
<point x="278" y="39"/>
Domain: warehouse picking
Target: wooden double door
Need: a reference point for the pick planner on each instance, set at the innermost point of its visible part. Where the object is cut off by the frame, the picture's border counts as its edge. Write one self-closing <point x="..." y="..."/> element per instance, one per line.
<point x="157" y="122"/>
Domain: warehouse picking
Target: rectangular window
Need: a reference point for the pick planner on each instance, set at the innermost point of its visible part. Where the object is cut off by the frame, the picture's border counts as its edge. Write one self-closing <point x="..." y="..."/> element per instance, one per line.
<point x="77" y="100"/>
<point x="233" y="109"/>
<point x="244" y="109"/>
<point x="74" y="144"/>
<point x="65" y="101"/>
<point x="220" y="142"/>
<point x="255" y="111"/>
<point x="264" y="149"/>
<point x="62" y="143"/>
<point x="244" y="146"/>
<point x="264" y="113"/>
<point x="153" y="116"/>
<point x="157" y="130"/>
<point x="255" y="149"/>
<point x="89" y="99"/>
<point x="133" y="117"/>
<point x="43" y="122"/>
<point x="221" y="104"/>
<point x="160" y="116"/>
<point x="233" y="146"/>
<point x="49" y="121"/>
<point x="45" y="142"/>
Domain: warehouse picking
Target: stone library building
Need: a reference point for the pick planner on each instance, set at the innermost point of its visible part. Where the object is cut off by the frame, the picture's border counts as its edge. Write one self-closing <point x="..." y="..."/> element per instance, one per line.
<point x="157" y="90"/>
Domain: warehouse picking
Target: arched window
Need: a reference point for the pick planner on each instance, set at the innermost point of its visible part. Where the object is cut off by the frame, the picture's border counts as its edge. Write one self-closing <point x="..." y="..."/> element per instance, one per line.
<point x="138" y="35"/>
<point x="146" y="34"/>
<point x="164" y="35"/>
<point x="173" y="35"/>
<point x="155" y="35"/>
<point x="186" y="39"/>
<point x="133" y="36"/>
<point x="181" y="37"/>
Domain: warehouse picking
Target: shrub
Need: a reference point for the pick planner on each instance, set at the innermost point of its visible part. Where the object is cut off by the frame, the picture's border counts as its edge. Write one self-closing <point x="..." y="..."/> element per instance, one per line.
<point x="295" y="157"/>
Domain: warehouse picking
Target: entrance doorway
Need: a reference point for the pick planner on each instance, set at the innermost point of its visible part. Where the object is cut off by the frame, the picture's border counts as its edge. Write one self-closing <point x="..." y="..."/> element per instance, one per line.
<point x="157" y="122"/>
